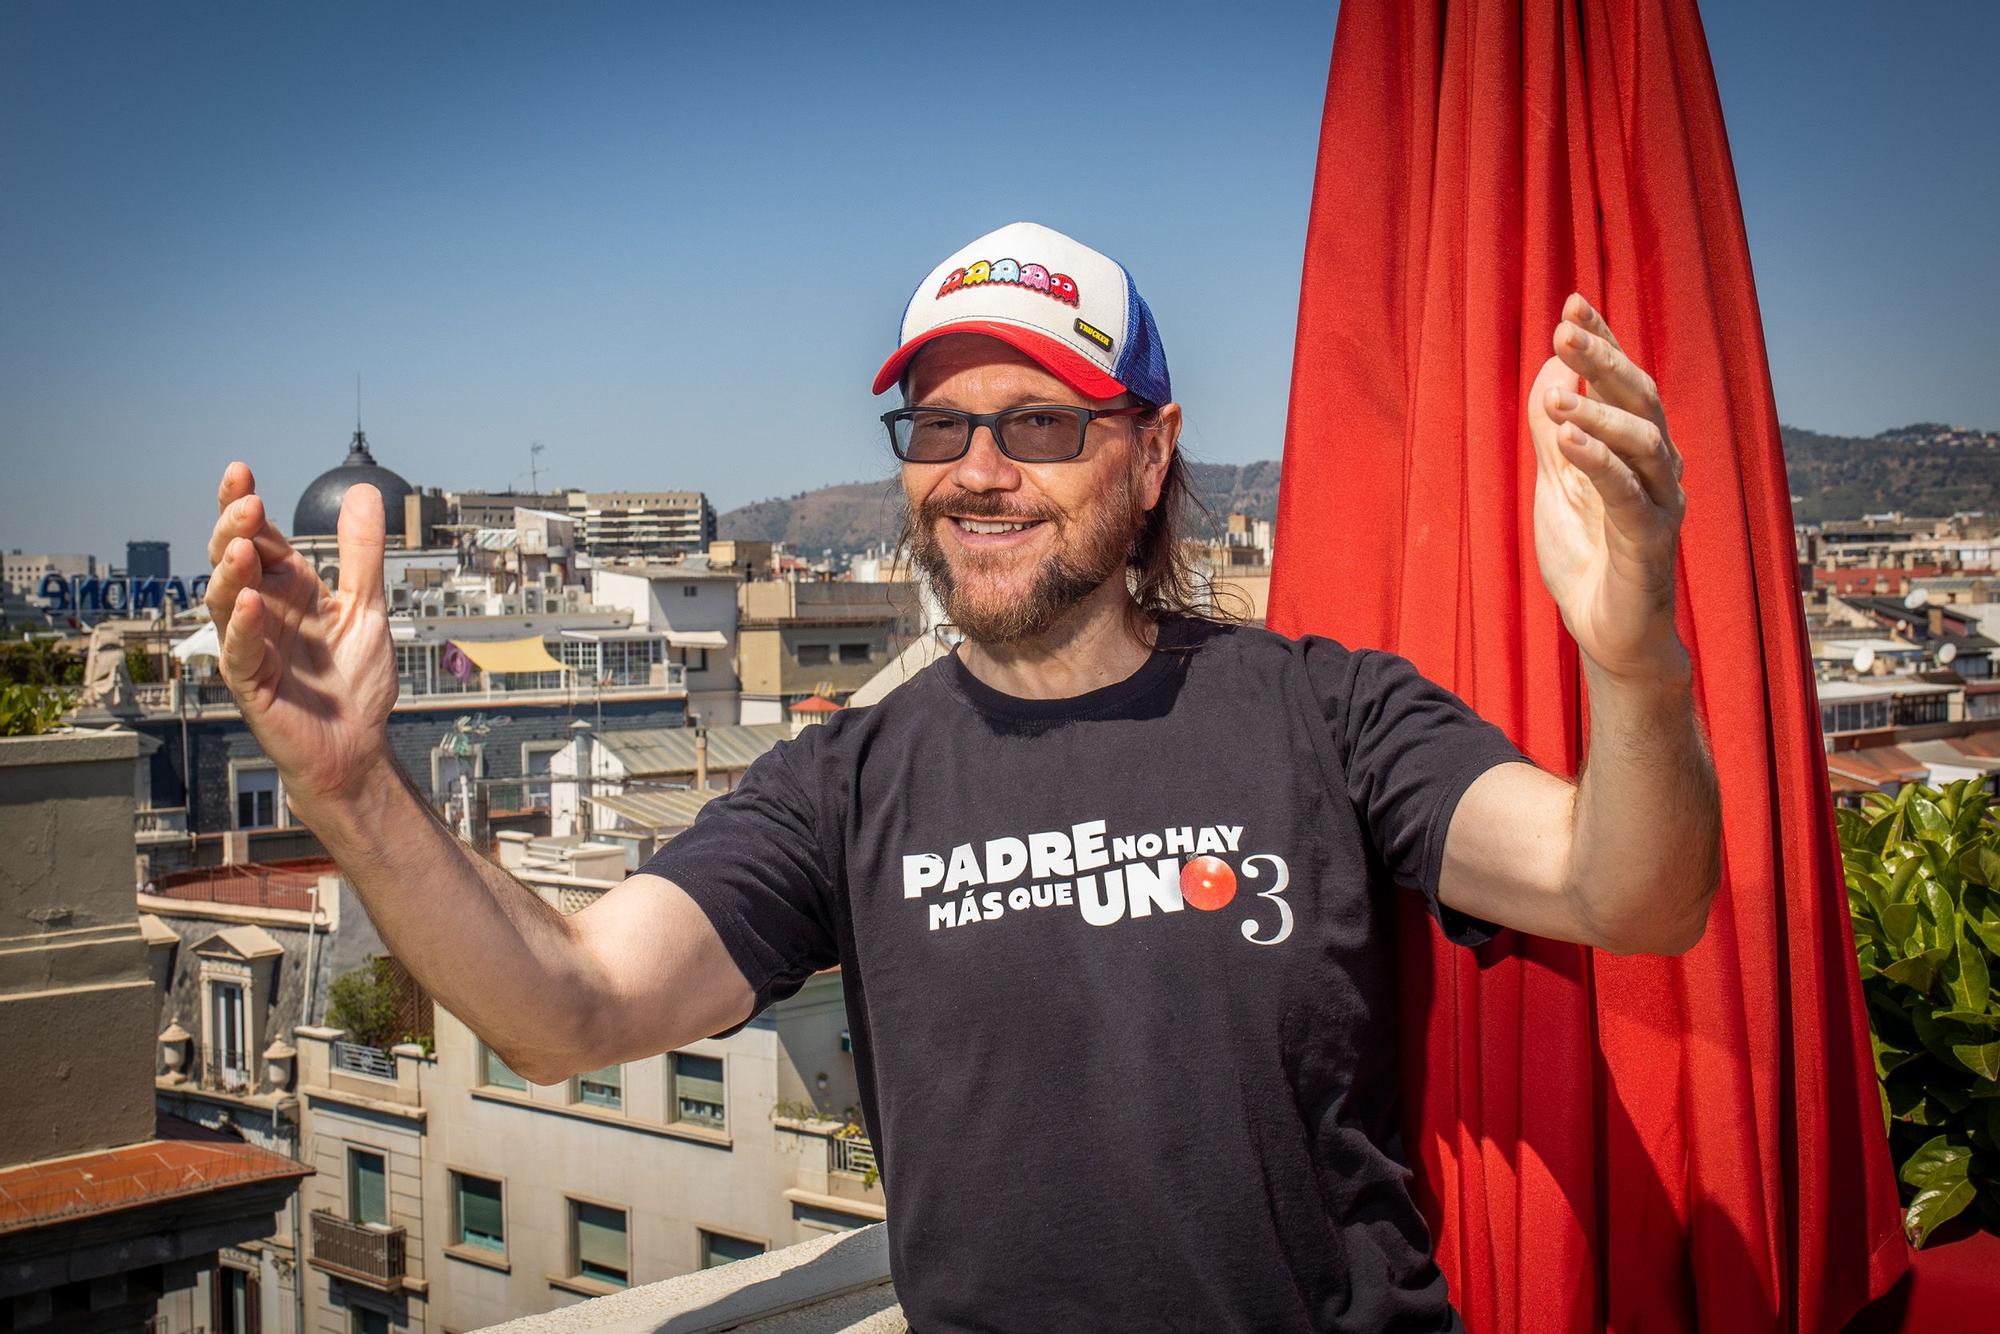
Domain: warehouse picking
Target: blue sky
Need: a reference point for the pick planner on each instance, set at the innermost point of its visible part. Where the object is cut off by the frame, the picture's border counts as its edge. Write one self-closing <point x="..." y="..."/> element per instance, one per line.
<point x="670" y="242"/>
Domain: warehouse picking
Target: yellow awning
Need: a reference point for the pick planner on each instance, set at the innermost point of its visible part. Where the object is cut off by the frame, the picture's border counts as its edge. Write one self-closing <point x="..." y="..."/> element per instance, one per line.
<point x="509" y="655"/>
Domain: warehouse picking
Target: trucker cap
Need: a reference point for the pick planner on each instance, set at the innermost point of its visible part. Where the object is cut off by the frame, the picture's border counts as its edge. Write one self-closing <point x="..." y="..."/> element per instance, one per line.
<point x="1075" y="311"/>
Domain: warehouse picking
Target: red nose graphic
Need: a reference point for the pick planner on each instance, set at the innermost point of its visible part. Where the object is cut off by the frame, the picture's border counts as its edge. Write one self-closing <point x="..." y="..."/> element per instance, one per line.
<point x="1208" y="883"/>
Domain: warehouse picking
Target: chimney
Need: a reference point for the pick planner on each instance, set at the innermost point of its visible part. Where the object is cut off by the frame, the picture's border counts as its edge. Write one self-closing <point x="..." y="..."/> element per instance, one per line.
<point x="1936" y="622"/>
<point x="700" y="759"/>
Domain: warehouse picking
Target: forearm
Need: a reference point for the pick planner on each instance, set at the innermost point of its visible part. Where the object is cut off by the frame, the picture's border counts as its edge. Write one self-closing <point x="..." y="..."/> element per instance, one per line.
<point x="481" y="942"/>
<point x="1645" y="845"/>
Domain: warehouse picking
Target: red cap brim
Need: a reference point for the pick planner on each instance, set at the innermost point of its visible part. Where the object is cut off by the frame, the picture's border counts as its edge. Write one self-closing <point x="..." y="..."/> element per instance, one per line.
<point x="1058" y="359"/>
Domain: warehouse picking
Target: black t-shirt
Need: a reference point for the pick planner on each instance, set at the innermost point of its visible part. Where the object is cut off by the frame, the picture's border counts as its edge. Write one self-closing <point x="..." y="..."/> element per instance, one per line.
<point x="1118" y="975"/>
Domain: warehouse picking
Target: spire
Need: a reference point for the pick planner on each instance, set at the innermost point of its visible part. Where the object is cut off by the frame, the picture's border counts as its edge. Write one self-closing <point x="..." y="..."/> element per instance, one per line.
<point x="358" y="455"/>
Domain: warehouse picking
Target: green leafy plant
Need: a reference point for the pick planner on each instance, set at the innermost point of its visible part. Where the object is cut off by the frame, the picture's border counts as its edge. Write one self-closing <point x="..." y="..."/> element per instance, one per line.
<point x="33" y="710"/>
<point x="368" y="1003"/>
<point x="1923" y="889"/>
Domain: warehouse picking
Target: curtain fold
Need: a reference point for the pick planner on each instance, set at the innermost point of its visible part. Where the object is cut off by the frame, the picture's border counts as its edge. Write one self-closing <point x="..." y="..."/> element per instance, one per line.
<point x="1601" y="1142"/>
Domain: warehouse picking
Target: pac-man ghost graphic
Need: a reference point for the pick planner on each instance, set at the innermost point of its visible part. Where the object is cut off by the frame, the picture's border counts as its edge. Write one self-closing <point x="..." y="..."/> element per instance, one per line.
<point x="1035" y="276"/>
<point x="1005" y="271"/>
<point x="977" y="273"/>
<point x="953" y="282"/>
<point x="1062" y="287"/>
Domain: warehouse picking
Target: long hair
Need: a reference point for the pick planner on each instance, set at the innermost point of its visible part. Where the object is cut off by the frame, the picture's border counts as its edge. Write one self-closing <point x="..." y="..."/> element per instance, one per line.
<point x="1161" y="566"/>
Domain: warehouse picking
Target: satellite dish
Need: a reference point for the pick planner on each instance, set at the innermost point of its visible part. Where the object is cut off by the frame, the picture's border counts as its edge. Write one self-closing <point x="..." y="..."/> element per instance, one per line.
<point x="1917" y="598"/>
<point x="1945" y="653"/>
<point x="1864" y="659"/>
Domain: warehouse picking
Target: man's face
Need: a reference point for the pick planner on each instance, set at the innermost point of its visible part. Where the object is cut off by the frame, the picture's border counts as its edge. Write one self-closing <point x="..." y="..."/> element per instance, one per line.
<point x="1080" y="517"/>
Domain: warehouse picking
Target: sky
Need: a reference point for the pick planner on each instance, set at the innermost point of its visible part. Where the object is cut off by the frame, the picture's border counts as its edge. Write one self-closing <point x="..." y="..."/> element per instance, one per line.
<point x="670" y="243"/>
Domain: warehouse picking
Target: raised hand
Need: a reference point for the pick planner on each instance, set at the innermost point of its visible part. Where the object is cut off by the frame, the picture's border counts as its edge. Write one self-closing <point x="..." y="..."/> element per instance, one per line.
<point x="311" y="668"/>
<point x="1608" y="501"/>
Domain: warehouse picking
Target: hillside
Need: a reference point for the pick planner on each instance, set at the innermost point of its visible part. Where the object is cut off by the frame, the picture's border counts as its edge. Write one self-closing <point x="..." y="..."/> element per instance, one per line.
<point x="1920" y="469"/>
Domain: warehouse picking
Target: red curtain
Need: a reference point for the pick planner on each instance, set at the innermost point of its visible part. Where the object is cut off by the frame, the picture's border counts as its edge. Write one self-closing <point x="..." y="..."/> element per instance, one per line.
<point x="1601" y="1142"/>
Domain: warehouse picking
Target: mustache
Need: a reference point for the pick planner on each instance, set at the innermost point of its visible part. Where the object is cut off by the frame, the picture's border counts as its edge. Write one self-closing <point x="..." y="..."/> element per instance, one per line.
<point x="974" y="506"/>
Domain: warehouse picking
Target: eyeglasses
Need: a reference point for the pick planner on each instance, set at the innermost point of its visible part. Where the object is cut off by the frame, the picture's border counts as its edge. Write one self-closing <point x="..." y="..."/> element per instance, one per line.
<point x="1042" y="433"/>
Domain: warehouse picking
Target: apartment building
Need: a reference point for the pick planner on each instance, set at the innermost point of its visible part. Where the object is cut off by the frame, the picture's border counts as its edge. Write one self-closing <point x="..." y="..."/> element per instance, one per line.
<point x="115" y="1213"/>
<point x="452" y="1194"/>
<point x="799" y="638"/>
<point x="656" y="525"/>
<point x="693" y="605"/>
<point x="22" y="571"/>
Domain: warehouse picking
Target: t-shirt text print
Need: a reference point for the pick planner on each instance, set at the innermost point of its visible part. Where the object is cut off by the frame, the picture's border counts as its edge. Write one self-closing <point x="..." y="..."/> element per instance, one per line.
<point x="1105" y="878"/>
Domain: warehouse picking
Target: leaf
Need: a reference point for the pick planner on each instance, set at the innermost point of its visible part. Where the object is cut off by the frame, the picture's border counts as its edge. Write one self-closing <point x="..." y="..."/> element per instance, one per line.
<point x="1978" y="1018"/>
<point x="1927" y="818"/>
<point x="1974" y="981"/>
<point x="1978" y="913"/>
<point x="1936" y="1036"/>
<point x="1920" y="969"/>
<point x="1899" y="879"/>
<point x="1937" y="1159"/>
<point x="1935" y="1205"/>
<point x="1900" y="921"/>
<point x="1982" y="1059"/>
<point x="1887" y="1056"/>
<point x="1942" y="908"/>
<point x="1989" y="865"/>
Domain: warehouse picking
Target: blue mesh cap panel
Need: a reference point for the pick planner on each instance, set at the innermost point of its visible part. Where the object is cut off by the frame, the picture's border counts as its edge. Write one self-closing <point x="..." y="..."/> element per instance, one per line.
<point x="1142" y="366"/>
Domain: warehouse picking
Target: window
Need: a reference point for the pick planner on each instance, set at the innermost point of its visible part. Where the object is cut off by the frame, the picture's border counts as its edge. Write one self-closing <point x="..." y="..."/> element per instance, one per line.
<point x="480" y="1221"/>
<point x="228" y="1045"/>
<point x="235" y="1305"/>
<point x="535" y="757"/>
<point x="256" y="798"/>
<point x="597" y="1238"/>
<point x="688" y="590"/>
<point x="602" y="1088"/>
<point x="853" y="653"/>
<point x="493" y="1072"/>
<point x="413" y="668"/>
<point x="365" y="1321"/>
<point x="695" y="659"/>
<point x="719" y="1248"/>
<point x="814" y="655"/>
<point x="698" y="1090"/>
<point x="367" y="1188"/>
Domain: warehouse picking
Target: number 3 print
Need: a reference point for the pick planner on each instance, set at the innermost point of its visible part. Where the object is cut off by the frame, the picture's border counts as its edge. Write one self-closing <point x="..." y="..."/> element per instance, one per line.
<point x="1284" y="875"/>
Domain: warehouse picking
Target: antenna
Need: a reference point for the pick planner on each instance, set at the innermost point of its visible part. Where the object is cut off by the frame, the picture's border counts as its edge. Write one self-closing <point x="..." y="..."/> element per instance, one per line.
<point x="535" y="452"/>
<point x="1864" y="659"/>
<point x="357" y="402"/>
<point x="1917" y="598"/>
<point x="1945" y="653"/>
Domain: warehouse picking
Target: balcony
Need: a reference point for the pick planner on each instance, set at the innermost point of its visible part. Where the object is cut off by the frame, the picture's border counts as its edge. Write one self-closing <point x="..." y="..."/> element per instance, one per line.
<point x="364" y="1253"/>
<point x="160" y="824"/>
<point x="836" y="1168"/>
<point x="356" y="1059"/>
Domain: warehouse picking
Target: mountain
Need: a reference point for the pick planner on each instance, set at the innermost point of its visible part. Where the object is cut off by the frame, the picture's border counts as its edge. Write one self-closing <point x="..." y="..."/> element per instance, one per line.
<point x="1924" y="468"/>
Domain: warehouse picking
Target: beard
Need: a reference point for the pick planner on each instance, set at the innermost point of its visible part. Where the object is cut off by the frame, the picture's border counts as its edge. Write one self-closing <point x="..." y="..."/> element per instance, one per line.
<point x="1089" y="550"/>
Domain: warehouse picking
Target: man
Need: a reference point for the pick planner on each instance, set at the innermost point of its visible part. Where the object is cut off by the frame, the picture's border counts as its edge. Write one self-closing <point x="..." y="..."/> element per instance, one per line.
<point x="1107" y="885"/>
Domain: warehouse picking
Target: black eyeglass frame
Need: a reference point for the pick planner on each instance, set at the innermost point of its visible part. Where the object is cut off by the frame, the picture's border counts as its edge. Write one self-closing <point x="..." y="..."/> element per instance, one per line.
<point x="991" y="421"/>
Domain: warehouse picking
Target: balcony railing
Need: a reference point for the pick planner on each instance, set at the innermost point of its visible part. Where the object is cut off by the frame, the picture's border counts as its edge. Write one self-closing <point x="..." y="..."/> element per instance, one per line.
<point x="251" y="885"/>
<point x="853" y="1154"/>
<point x="364" y="1252"/>
<point x="357" y="1059"/>
<point x="151" y="823"/>
<point x="218" y="1074"/>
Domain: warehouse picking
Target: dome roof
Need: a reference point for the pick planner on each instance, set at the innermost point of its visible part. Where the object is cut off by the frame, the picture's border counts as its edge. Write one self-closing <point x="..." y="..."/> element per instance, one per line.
<point x="318" y="513"/>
